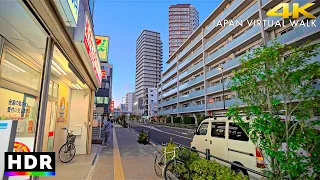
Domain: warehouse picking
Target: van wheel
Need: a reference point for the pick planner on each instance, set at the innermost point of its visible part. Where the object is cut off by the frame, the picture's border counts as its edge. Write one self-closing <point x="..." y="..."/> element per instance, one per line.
<point x="242" y="172"/>
<point x="239" y="170"/>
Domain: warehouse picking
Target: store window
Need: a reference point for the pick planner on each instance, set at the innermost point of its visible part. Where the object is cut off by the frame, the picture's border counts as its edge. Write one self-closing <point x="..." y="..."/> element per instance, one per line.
<point x="17" y="71"/>
<point x="21" y="70"/>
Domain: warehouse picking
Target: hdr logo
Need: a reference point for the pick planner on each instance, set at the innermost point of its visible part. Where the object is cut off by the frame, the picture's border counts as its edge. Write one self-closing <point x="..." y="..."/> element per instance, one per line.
<point x="296" y="10"/>
<point x="29" y="164"/>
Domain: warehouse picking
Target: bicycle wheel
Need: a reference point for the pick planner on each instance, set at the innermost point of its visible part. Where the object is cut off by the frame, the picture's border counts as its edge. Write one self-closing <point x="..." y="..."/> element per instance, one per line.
<point x="176" y="169"/>
<point x="159" y="165"/>
<point x="67" y="153"/>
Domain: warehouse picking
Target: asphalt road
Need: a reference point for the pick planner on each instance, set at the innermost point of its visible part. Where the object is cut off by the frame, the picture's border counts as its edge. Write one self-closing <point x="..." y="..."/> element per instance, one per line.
<point x="162" y="134"/>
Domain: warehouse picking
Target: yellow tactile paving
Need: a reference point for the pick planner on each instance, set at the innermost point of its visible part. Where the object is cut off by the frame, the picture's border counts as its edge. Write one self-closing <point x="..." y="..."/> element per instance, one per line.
<point x="118" y="173"/>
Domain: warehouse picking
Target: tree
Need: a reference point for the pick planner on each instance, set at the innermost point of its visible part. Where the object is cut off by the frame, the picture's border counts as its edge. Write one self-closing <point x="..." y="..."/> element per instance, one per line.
<point x="282" y="102"/>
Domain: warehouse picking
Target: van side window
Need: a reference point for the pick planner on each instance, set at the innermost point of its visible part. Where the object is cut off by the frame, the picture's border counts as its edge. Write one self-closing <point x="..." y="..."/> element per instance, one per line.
<point x="236" y="133"/>
<point x="218" y="130"/>
<point x="203" y="129"/>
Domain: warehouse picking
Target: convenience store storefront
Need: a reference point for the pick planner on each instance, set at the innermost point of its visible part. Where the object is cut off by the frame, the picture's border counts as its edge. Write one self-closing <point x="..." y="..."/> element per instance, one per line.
<point x="49" y="71"/>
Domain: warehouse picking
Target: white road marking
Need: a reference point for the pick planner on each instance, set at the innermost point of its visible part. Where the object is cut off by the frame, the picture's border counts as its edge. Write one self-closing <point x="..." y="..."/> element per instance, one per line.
<point x="182" y="133"/>
<point x="151" y="127"/>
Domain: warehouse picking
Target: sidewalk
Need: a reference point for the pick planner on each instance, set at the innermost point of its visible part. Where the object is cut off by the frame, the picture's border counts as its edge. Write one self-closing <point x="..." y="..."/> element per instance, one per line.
<point x="125" y="158"/>
<point x="78" y="168"/>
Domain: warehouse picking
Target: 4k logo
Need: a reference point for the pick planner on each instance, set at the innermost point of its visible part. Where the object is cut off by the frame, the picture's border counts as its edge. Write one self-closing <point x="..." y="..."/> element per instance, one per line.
<point x="296" y="10"/>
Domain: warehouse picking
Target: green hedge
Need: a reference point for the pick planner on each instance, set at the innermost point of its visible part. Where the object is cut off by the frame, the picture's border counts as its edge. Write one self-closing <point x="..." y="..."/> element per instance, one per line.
<point x="202" y="169"/>
<point x="188" y="120"/>
<point x="168" y="119"/>
<point x="177" y="120"/>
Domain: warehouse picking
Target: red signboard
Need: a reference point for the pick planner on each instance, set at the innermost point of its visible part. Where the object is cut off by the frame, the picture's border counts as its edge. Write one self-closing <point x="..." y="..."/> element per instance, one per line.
<point x="103" y="73"/>
<point x="89" y="42"/>
<point x="112" y="106"/>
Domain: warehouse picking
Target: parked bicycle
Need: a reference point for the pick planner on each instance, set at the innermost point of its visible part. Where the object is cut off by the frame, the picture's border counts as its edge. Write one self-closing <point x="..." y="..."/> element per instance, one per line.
<point x="68" y="150"/>
<point x="175" y="168"/>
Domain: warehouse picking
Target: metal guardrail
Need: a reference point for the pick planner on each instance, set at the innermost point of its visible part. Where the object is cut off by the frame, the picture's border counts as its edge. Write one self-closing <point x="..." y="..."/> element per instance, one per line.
<point x="209" y="156"/>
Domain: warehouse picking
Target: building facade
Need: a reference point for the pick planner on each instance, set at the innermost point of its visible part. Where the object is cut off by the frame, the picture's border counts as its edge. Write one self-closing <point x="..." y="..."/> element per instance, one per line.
<point x="151" y="101"/>
<point x="183" y="20"/>
<point x="104" y="94"/>
<point x="148" y="66"/>
<point x="129" y="101"/>
<point x="198" y="73"/>
<point x="49" y="72"/>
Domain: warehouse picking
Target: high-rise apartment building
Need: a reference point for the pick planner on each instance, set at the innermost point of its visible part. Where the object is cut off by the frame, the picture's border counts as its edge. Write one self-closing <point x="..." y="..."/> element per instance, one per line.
<point x="148" y="66"/>
<point x="196" y="81"/>
<point x="129" y="101"/>
<point x="151" y="101"/>
<point x="183" y="20"/>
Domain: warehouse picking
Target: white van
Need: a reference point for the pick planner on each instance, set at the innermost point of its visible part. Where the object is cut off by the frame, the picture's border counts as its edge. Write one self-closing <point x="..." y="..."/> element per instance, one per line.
<point x="228" y="141"/>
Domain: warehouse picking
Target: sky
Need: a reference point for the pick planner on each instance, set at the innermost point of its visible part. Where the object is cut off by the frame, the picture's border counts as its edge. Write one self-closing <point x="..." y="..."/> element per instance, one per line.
<point x="124" y="20"/>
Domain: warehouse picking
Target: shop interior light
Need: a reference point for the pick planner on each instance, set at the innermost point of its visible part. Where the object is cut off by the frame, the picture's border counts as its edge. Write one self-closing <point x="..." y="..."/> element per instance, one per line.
<point x="75" y="86"/>
<point x="14" y="66"/>
<point x="58" y="67"/>
<point x="78" y="86"/>
<point x="11" y="67"/>
<point x="56" y="70"/>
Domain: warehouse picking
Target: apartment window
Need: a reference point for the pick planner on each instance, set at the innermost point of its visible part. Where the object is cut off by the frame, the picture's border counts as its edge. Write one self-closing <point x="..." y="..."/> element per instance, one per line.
<point x="185" y="32"/>
<point x="198" y="102"/>
<point x="186" y="105"/>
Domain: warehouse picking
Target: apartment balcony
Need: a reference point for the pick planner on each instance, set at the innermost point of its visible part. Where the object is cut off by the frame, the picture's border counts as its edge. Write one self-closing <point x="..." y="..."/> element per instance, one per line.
<point x="247" y="14"/>
<point x="248" y="35"/>
<point x="218" y="87"/>
<point x="172" y="91"/>
<point x="174" y="61"/>
<point x="172" y="72"/>
<point x="228" y="103"/>
<point x="169" y="83"/>
<point x="192" y="69"/>
<point x="191" y="83"/>
<point x="231" y="102"/>
<point x="171" y="101"/>
<point x="225" y="13"/>
<point x="266" y="4"/>
<point x="194" y="108"/>
<point x="192" y="95"/>
<point x="167" y="112"/>
<point x="190" y="58"/>
<point x="226" y="66"/>
<point x="299" y="33"/>
<point x="215" y="105"/>
<point x="186" y="49"/>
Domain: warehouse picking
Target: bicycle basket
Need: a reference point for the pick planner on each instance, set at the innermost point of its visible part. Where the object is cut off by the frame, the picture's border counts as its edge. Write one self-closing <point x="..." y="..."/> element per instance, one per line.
<point x="184" y="154"/>
<point x="71" y="138"/>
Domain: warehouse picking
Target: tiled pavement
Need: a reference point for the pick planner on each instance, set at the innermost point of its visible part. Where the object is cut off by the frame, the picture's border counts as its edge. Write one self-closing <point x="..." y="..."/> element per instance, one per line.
<point x="136" y="159"/>
<point x="77" y="169"/>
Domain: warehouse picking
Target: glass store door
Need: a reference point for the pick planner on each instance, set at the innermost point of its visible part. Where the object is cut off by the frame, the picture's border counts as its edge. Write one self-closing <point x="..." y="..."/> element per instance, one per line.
<point x="51" y="116"/>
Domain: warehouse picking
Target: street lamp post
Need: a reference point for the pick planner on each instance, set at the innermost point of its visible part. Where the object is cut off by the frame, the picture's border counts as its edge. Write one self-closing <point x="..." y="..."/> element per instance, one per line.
<point x="221" y="69"/>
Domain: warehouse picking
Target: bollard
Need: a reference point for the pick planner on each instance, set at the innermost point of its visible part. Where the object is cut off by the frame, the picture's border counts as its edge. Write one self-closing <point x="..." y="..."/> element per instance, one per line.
<point x="208" y="154"/>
